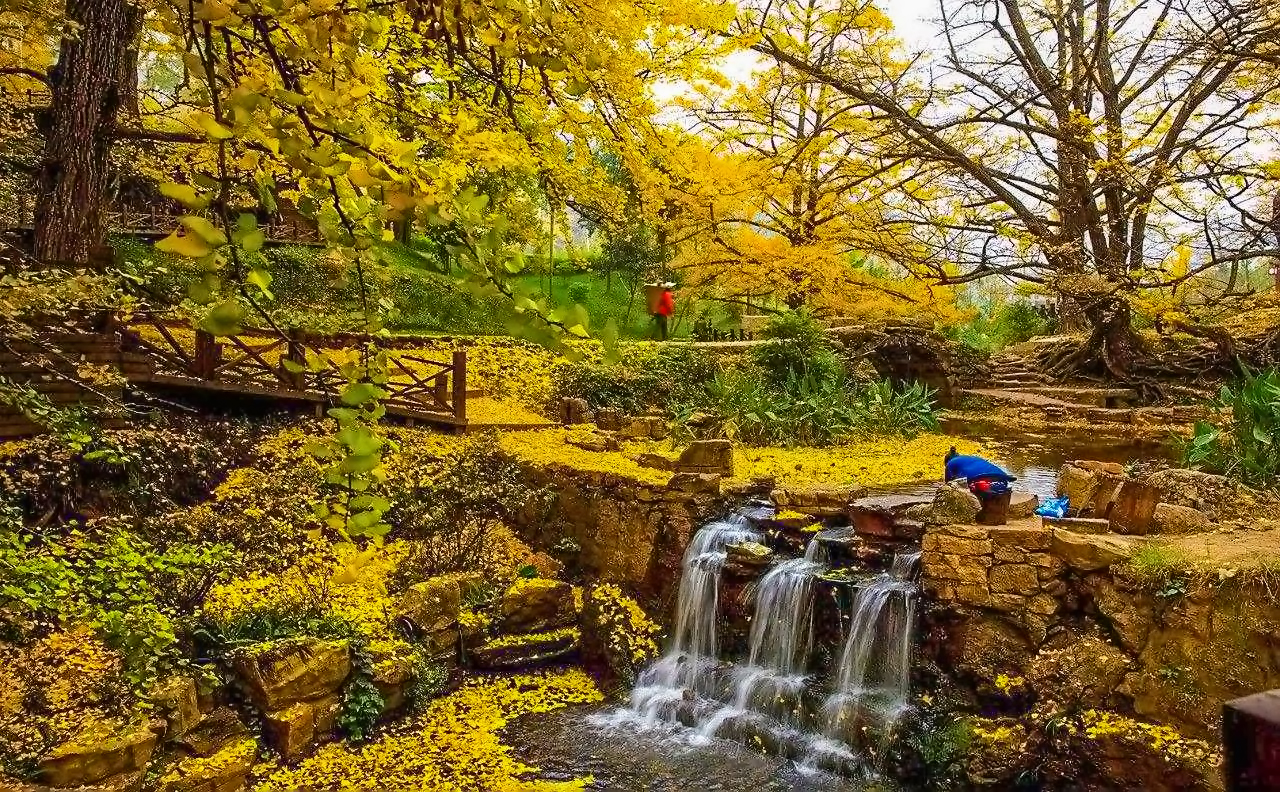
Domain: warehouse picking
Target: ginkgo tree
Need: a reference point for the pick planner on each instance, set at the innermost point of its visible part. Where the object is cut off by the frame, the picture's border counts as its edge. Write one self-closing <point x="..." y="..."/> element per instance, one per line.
<point x="1077" y="145"/>
<point x="367" y="117"/>
<point x="797" y="188"/>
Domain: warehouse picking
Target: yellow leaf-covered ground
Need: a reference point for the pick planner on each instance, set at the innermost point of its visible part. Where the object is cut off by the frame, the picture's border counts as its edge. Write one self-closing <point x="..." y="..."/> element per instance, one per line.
<point x="453" y="746"/>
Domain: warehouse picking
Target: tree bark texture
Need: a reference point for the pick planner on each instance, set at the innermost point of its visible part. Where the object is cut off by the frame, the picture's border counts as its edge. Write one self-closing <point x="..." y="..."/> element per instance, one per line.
<point x="88" y="93"/>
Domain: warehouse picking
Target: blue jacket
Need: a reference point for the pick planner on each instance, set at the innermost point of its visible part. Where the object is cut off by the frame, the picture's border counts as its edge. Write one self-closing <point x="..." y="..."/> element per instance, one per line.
<point x="973" y="468"/>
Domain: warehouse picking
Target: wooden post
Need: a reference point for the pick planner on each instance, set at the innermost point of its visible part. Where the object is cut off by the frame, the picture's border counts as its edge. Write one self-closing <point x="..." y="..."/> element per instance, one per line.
<point x="291" y="379"/>
<point x="460" y="385"/>
<point x="208" y="355"/>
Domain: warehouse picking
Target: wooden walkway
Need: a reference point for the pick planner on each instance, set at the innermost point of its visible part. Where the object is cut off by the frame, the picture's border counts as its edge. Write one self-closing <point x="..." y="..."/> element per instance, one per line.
<point x="155" y="353"/>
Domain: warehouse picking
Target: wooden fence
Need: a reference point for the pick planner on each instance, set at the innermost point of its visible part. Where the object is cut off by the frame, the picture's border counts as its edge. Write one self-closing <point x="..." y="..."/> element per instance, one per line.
<point x="275" y="366"/>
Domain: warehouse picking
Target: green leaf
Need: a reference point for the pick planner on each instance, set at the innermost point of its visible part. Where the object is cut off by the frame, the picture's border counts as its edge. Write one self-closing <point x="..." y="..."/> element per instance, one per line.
<point x="204" y="229"/>
<point x="261" y="279"/>
<point x="184" y="194"/>
<point x="359" y="393"/>
<point x="292" y="366"/>
<point x="224" y="319"/>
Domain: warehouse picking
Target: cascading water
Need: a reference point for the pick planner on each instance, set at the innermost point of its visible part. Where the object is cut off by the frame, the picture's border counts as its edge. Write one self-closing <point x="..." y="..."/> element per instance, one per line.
<point x="766" y="696"/>
<point x="691" y="662"/>
<point x="873" y="686"/>
<point x="767" y="690"/>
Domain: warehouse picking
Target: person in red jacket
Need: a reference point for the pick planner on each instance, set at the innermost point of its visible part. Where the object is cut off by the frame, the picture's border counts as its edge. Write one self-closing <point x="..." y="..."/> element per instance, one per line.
<point x="666" y="308"/>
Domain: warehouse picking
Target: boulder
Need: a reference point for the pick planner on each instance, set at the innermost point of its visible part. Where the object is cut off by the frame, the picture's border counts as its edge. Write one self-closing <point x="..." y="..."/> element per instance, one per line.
<point x="125" y="782"/>
<point x="694" y="483"/>
<point x="609" y="419"/>
<point x="707" y="456"/>
<point x="1078" y="485"/>
<point x="818" y="501"/>
<point x="392" y="678"/>
<point x="981" y="647"/>
<point x="751" y="555"/>
<point x="1084" y="672"/>
<point x="537" y="604"/>
<point x="219" y="728"/>
<point x="1171" y="518"/>
<point x="647" y="427"/>
<point x="177" y="700"/>
<point x="290" y="732"/>
<point x="954" y="504"/>
<point x="102" y="752"/>
<point x="224" y="771"/>
<point x="1014" y="579"/>
<point x="1022" y="505"/>
<point x="526" y="650"/>
<point x="278" y="674"/>
<point x="1087" y="552"/>
<point x="431" y="605"/>
<point x="1217" y="496"/>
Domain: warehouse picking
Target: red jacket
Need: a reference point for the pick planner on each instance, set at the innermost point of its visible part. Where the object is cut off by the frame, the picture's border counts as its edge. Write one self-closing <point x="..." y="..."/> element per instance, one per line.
<point x="666" y="304"/>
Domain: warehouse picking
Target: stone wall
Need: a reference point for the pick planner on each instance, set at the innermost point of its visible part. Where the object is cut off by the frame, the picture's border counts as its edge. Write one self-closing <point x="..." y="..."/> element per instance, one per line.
<point x="1061" y="610"/>
<point x="625" y="531"/>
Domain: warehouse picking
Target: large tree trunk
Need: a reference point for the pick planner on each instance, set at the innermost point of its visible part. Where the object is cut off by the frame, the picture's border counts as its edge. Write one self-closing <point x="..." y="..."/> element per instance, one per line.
<point x="87" y="87"/>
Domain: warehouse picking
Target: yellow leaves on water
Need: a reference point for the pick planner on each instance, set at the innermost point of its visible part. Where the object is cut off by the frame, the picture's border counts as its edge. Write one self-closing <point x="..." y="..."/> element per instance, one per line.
<point x="454" y="746"/>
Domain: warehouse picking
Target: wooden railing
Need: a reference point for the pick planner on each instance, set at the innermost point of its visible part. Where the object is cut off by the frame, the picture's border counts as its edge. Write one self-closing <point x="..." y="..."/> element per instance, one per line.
<point x="276" y="366"/>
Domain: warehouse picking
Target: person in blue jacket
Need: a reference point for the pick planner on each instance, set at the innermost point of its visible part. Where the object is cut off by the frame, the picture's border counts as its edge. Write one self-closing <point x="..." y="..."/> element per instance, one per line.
<point x="973" y="468"/>
<point x="985" y="479"/>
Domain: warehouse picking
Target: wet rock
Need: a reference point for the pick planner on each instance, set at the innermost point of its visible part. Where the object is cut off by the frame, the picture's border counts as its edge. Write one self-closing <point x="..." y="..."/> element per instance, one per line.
<point x="537" y="604"/>
<point x="1089" y="552"/>
<point x="431" y="605"/>
<point x="751" y="555"/>
<point x="177" y="700"/>
<point x="278" y="674"/>
<point x="954" y="505"/>
<point x="1085" y="671"/>
<point x="93" y="757"/>
<point x="527" y="650"/>
<point x="1170" y="518"/>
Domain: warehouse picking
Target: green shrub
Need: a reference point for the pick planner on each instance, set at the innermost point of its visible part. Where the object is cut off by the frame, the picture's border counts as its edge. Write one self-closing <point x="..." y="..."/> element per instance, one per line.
<point x="880" y="408"/>
<point x="797" y="349"/>
<point x="811" y="412"/>
<point x="663" y="378"/>
<point x="362" y="702"/>
<point x="1247" y="445"/>
<point x="129" y="590"/>
<point x="579" y="291"/>
<point x="430" y="681"/>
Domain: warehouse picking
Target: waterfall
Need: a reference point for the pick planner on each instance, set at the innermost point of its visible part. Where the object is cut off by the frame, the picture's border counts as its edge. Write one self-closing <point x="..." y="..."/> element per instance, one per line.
<point x="768" y="689"/>
<point x="768" y="696"/>
<point x="873" y="686"/>
<point x="687" y="673"/>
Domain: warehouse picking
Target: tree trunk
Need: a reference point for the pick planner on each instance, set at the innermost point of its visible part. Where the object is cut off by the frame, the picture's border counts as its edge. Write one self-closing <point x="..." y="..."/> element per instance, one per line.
<point x="88" y="93"/>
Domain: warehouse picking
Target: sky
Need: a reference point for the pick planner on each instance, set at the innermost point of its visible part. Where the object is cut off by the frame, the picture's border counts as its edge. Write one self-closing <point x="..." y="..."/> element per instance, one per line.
<point x="912" y="20"/>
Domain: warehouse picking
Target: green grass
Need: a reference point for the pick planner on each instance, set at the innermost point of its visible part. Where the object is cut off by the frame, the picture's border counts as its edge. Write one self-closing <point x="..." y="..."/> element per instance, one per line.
<point x="309" y="291"/>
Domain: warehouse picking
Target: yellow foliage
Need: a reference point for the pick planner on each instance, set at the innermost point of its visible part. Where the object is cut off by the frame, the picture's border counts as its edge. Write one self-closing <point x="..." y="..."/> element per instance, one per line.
<point x="866" y="462"/>
<point x="550" y="449"/>
<point x="453" y="746"/>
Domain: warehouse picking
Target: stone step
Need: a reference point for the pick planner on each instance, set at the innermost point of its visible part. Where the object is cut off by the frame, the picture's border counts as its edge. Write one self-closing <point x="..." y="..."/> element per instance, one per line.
<point x="1093" y="397"/>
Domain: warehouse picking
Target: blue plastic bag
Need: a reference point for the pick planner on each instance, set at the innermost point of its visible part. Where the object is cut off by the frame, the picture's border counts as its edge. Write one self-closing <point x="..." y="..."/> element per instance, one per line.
<point x="1054" y="507"/>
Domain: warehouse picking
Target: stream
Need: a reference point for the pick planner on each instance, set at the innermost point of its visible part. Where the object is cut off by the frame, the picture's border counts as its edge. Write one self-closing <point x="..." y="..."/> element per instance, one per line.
<point x="643" y="746"/>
